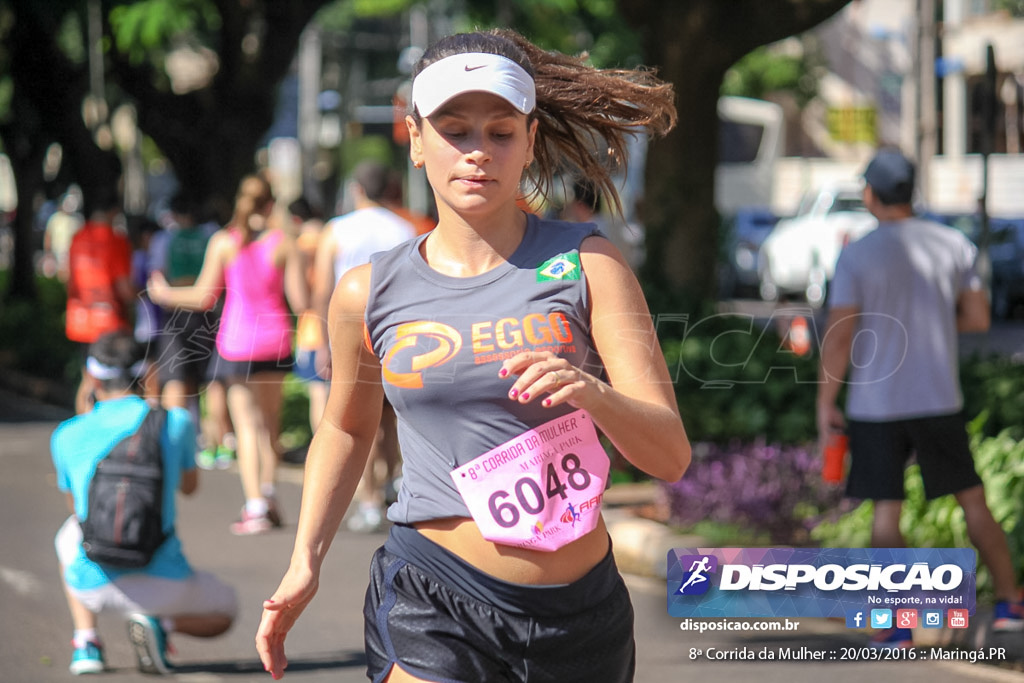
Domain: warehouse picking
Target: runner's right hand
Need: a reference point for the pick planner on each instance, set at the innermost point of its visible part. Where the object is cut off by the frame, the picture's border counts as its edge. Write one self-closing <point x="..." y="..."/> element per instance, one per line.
<point x="280" y="613"/>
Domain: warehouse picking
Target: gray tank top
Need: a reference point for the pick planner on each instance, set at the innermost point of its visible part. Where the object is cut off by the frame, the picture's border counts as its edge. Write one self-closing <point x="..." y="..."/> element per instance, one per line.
<point x="441" y="341"/>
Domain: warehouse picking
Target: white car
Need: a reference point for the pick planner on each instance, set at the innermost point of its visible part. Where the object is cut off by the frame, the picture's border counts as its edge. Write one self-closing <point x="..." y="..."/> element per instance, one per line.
<point x="799" y="255"/>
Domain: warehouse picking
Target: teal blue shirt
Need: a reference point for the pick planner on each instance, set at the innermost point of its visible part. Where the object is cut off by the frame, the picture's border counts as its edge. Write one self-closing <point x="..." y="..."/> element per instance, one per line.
<point x="78" y="444"/>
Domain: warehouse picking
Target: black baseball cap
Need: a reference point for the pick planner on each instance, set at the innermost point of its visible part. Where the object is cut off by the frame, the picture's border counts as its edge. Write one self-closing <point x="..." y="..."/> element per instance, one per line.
<point x="891" y="177"/>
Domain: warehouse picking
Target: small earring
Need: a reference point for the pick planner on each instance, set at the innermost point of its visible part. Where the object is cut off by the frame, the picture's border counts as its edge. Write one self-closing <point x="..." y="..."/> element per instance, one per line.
<point x="417" y="164"/>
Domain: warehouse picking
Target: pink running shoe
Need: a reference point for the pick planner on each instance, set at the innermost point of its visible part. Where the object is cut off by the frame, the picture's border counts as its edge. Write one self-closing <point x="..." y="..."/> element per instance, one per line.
<point x="251" y="525"/>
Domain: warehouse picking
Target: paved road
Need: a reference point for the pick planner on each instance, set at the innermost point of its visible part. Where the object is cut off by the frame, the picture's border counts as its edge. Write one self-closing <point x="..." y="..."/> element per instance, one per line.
<point x="326" y="645"/>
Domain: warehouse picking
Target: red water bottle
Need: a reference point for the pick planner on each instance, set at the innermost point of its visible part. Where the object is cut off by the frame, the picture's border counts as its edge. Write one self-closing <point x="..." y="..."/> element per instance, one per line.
<point x="834" y="466"/>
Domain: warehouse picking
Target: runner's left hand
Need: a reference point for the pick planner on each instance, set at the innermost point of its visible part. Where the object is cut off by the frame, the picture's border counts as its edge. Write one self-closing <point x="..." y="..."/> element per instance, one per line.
<point x="548" y="378"/>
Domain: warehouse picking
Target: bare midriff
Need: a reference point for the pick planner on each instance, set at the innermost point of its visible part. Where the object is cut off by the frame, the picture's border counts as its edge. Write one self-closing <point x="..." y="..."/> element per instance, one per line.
<point x="461" y="536"/>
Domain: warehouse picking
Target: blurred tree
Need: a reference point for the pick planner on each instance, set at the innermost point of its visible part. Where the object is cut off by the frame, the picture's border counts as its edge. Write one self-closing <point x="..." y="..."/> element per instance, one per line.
<point x="209" y="128"/>
<point x="771" y="70"/>
<point x="202" y="75"/>
<point x="693" y="43"/>
<point x="1014" y="7"/>
<point x="46" y="86"/>
<point x="569" y="26"/>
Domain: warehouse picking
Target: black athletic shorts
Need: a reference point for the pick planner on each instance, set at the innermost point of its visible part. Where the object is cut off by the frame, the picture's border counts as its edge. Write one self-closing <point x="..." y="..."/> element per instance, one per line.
<point x="880" y="452"/>
<point x="471" y="627"/>
<point x="223" y="370"/>
<point x="186" y="345"/>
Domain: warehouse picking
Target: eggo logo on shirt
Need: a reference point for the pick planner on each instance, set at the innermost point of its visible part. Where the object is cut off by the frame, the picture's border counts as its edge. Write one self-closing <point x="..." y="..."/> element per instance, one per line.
<point x="490" y="340"/>
<point x="510" y="333"/>
<point x="449" y="342"/>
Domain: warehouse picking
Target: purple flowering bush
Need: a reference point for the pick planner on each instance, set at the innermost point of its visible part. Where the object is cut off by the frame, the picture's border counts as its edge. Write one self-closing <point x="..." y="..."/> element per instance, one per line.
<point x="769" y="493"/>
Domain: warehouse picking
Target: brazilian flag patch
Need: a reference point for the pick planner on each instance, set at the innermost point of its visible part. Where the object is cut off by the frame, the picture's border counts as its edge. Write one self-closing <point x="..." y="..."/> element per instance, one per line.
<point x="562" y="267"/>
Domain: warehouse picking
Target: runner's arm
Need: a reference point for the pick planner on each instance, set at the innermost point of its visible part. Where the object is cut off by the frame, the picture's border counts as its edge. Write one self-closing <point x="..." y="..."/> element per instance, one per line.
<point x="201" y="296"/>
<point x="333" y="467"/>
<point x="835" y="360"/>
<point x="324" y="276"/>
<point x="342" y="442"/>
<point x="973" y="313"/>
<point x="637" y="408"/>
<point x="295" y="289"/>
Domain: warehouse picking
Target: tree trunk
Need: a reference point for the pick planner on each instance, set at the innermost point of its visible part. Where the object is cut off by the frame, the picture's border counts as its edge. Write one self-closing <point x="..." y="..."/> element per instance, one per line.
<point x="211" y="135"/>
<point x="693" y="43"/>
<point x="48" y="93"/>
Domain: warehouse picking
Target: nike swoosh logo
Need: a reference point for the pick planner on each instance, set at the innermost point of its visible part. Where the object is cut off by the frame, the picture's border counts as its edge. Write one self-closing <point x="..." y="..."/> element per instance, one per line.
<point x="474" y="68"/>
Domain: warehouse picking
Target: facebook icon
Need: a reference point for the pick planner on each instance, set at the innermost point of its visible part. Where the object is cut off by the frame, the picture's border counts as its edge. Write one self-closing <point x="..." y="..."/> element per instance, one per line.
<point x="855" y="618"/>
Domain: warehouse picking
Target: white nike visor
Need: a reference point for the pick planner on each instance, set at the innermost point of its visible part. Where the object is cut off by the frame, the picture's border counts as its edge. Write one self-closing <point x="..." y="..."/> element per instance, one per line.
<point x="473" y="72"/>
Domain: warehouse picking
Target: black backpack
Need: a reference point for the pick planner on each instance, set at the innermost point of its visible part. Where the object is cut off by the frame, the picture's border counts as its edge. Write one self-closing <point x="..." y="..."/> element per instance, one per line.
<point x="124" y="525"/>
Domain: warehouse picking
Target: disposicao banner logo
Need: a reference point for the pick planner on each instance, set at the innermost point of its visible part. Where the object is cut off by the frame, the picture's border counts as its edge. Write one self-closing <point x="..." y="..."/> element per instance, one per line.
<point x="817" y="582"/>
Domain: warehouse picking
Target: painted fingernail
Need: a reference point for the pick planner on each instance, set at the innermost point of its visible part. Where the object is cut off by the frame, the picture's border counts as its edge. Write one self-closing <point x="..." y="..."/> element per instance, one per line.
<point x="503" y="373"/>
<point x="514" y="393"/>
<point x="547" y="402"/>
<point x="526" y="397"/>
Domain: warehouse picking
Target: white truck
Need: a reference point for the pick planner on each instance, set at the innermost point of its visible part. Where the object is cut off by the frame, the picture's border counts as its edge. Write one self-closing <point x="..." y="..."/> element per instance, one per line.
<point x="799" y="255"/>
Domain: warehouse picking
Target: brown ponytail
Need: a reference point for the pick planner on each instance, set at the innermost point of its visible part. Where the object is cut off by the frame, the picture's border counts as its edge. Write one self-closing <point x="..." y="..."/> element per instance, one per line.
<point x="253" y="198"/>
<point x="584" y="114"/>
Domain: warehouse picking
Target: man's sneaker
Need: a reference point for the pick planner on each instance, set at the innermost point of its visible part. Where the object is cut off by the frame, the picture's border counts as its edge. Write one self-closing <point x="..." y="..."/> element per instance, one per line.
<point x="1008" y="617"/>
<point x="150" y="643"/>
<point x="87" y="659"/>
<point x="893" y="638"/>
<point x="250" y="525"/>
<point x="206" y="459"/>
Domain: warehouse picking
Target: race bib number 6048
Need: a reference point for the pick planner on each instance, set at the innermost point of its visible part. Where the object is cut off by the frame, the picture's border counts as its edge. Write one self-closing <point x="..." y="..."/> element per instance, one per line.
<point x="540" y="490"/>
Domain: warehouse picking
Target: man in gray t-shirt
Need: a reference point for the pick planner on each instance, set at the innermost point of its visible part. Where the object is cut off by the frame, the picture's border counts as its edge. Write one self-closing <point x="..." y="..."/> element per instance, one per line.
<point x="900" y="296"/>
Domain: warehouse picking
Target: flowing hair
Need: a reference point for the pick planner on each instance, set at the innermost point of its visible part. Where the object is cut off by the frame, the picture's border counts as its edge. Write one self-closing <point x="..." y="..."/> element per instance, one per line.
<point x="253" y="198"/>
<point x="585" y="115"/>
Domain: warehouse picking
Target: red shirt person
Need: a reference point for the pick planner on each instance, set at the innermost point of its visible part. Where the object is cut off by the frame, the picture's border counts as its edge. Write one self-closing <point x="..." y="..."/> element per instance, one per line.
<point x="100" y="290"/>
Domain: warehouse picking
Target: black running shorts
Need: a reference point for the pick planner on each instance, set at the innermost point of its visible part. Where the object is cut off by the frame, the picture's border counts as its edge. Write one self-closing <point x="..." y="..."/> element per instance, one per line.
<point x="472" y="627"/>
<point x="880" y="452"/>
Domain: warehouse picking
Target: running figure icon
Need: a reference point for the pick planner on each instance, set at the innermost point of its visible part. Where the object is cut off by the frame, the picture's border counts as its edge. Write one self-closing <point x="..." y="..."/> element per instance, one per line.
<point x="697" y="571"/>
<point x="571" y="514"/>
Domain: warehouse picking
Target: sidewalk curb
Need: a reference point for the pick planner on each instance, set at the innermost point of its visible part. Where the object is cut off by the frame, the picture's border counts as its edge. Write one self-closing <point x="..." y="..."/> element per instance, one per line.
<point x="641" y="545"/>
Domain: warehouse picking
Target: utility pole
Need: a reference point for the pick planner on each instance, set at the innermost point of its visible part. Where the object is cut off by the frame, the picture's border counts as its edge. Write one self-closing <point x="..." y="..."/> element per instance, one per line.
<point x="310" y="59"/>
<point x="989" y="99"/>
<point x="926" y="128"/>
<point x="417" y="192"/>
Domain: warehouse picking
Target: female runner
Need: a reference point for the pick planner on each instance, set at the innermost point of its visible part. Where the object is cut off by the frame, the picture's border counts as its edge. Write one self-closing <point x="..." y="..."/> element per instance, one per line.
<point x="505" y="343"/>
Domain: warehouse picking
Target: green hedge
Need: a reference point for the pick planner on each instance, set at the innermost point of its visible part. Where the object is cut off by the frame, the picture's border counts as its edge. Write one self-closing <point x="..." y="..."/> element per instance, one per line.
<point x="735" y="381"/>
<point x="32" y="337"/>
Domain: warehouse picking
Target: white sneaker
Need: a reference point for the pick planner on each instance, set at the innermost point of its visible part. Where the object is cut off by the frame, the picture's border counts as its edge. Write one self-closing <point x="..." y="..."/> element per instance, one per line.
<point x="367" y="519"/>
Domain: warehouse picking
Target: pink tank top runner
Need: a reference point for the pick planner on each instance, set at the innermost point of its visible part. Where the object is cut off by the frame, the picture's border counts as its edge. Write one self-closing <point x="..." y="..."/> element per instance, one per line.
<point x="256" y="324"/>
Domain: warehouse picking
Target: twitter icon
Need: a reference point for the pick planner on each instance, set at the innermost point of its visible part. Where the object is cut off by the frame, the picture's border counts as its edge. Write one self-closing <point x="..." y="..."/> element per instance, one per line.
<point x="881" y="618"/>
